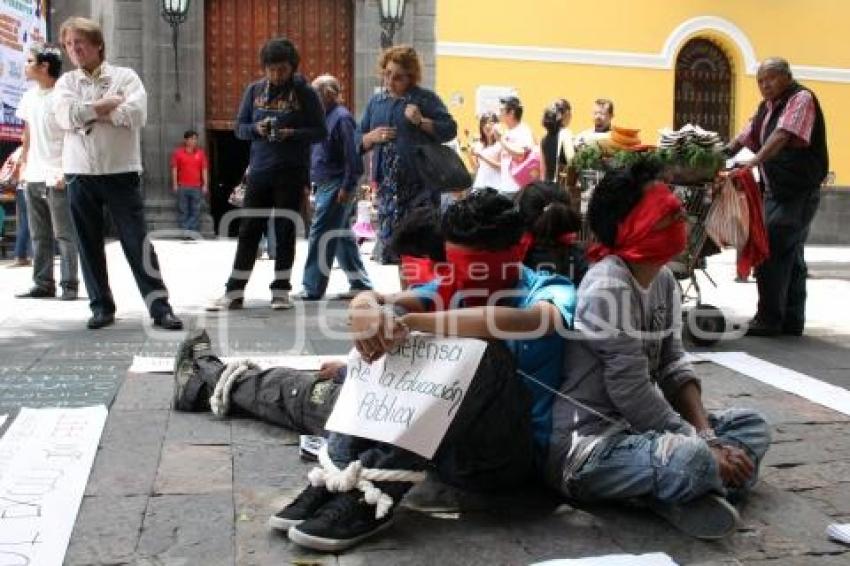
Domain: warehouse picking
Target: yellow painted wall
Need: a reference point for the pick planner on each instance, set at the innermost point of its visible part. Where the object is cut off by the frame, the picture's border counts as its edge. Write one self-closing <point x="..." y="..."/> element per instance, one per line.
<point x="643" y="97"/>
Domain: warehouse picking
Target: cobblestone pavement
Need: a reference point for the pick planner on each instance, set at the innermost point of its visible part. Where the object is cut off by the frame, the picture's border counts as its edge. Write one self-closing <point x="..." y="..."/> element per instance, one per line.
<point x="183" y="489"/>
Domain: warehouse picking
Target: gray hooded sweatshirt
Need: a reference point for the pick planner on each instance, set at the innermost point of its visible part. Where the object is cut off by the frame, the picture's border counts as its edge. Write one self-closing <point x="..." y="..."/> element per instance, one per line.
<point x="624" y="363"/>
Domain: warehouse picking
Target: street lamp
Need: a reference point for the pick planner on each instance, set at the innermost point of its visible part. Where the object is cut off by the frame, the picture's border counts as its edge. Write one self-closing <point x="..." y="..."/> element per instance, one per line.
<point x="392" y="18"/>
<point x="174" y="12"/>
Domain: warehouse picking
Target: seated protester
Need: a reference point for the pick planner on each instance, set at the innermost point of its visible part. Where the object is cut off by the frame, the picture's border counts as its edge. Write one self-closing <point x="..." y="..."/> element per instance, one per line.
<point x="552" y="229"/>
<point x="487" y="446"/>
<point x="420" y="245"/>
<point x="629" y="422"/>
<point x="267" y="394"/>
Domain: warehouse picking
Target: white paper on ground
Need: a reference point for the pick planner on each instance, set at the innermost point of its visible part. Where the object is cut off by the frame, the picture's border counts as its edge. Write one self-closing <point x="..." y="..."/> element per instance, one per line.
<point x="47" y="455"/>
<point x="652" y="559"/>
<point x="693" y="358"/>
<point x="149" y="364"/>
<point x="815" y="390"/>
<point x="839" y="532"/>
<point x="3" y="419"/>
<point x="410" y="396"/>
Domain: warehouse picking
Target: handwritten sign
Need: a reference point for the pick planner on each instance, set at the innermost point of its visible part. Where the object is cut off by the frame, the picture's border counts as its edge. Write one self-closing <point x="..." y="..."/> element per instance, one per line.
<point x="410" y="396"/>
<point x="45" y="459"/>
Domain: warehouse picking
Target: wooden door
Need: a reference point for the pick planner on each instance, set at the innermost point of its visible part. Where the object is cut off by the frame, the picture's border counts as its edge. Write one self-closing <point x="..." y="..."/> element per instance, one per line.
<point x="704" y="87"/>
<point x="322" y="30"/>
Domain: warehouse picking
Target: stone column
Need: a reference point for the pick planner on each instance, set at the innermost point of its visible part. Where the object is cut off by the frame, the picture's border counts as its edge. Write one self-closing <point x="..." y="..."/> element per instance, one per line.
<point x="418" y="30"/>
<point x="168" y="118"/>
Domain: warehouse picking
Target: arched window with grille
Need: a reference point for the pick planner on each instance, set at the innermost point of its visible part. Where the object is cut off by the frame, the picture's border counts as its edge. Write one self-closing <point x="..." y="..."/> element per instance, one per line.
<point x="704" y="87"/>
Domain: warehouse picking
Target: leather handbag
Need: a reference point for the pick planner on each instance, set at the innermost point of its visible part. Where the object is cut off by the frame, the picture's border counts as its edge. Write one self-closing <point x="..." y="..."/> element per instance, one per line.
<point x="441" y="168"/>
<point x="237" y="195"/>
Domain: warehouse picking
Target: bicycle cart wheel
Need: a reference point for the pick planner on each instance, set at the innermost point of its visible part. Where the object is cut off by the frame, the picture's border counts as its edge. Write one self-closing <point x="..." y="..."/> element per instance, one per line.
<point x="704" y="325"/>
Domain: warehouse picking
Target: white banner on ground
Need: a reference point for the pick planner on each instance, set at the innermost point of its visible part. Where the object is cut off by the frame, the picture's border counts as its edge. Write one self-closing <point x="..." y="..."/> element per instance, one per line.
<point x="408" y="397"/>
<point x="828" y="395"/>
<point x="148" y="364"/>
<point x="45" y="459"/>
<point x="652" y="559"/>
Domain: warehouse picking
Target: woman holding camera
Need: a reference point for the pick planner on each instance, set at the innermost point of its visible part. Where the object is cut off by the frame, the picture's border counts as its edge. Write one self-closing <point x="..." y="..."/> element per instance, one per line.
<point x="282" y="116"/>
<point x="396" y="120"/>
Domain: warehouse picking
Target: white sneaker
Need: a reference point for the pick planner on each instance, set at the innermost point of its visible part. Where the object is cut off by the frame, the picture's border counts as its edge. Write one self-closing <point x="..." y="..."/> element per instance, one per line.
<point x="225" y="303"/>
<point x="280" y="301"/>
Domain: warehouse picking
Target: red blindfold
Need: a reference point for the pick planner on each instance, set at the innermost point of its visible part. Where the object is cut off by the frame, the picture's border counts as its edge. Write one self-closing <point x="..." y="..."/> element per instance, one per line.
<point x="477" y="274"/>
<point x="638" y="239"/>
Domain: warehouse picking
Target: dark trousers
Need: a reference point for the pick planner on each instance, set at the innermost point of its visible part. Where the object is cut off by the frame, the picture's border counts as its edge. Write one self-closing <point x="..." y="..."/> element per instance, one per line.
<point x="23" y="243"/>
<point x="487" y="447"/>
<point x="296" y="400"/>
<point x="782" y="278"/>
<point x="120" y="194"/>
<point x="282" y="191"/>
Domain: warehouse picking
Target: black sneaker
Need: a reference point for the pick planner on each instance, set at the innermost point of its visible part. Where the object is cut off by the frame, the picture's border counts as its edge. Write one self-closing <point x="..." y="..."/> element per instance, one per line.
<point x="709" y="517"/>
<point x="188" y="385"/>
<point x="305" y="506"/>
<point x="197" y="343"/>
<point x="343" y="522"/>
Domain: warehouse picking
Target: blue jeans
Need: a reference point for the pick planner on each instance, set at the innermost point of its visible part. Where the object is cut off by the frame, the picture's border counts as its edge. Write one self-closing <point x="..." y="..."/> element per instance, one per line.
<point x="50" y="217"/>
<point x="120" y="194"/>
<point x="23" y="245"/>
<point x="670" y="468"/>
<point x="189" y="208"/>
<point x="330" y="216"/>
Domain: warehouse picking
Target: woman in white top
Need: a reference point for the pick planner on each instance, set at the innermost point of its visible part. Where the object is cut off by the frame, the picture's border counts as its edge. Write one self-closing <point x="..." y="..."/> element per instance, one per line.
<point x="485" y="153"/>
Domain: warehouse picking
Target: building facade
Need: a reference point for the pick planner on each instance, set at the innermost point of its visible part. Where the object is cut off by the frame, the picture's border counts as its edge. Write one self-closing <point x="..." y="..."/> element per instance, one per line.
<point x="663" y="62"/>
<point x="218" y="55"/>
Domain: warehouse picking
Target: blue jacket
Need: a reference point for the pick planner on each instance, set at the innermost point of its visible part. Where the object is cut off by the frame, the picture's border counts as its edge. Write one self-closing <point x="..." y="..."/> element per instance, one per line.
<point x="384" y="110"/>
<point x="336" y="157"/>
<point x="295" y="105"/>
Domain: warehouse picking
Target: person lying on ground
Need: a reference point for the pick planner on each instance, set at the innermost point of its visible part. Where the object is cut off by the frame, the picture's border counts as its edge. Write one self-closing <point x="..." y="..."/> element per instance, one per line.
<point x="629" y="421"/>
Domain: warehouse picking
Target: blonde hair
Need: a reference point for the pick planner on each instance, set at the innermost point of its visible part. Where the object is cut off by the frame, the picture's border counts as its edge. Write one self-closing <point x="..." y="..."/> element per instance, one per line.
<point x="405" y="57"/>
<point x="89" y="29"/>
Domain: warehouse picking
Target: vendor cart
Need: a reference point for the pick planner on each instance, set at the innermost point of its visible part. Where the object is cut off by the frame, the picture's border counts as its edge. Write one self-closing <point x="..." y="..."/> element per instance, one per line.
<point x="703" y="323"/>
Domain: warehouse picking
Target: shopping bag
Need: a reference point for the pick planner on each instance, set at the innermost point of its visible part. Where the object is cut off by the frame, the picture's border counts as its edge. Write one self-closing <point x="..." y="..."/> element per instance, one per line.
<point x="527" y="169"/>
<point x="728" y="220"/>
<point x="237" y="196"/>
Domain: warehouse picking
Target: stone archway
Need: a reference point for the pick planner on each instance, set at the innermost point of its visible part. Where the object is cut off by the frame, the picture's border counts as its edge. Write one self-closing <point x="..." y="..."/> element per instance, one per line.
<point x="703" y="91"/>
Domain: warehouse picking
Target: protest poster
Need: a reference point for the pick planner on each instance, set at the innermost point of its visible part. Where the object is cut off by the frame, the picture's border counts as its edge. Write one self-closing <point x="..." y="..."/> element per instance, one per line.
<point x="22" y="23"/>
<point x="410" y="396"/>
<point x="45" y="459"/>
